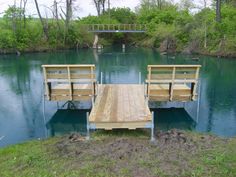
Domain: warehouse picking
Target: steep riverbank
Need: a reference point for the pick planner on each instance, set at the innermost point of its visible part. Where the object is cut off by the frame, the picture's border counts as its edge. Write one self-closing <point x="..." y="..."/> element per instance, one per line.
<point x="122" y="153"/>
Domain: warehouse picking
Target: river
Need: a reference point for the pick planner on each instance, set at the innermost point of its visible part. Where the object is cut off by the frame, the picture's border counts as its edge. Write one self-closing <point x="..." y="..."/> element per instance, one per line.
<point x="21" y="92"/>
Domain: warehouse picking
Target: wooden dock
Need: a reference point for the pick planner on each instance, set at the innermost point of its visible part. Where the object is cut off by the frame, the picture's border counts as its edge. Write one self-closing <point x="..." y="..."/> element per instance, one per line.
<point x="120" y="106"/>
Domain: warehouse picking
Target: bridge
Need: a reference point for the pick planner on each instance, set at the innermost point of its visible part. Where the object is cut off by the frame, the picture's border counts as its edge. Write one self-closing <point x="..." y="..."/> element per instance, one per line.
<point x="116" y="28"/>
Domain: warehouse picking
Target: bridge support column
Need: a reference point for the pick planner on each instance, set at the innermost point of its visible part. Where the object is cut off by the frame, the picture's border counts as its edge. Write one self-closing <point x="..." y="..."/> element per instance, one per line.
<point x="95" y="43"/>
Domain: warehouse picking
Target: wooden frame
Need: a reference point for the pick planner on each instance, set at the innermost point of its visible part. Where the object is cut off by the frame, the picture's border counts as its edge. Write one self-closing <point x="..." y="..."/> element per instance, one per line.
<point x="172" y="82"/>
<point x="69" y="82"/>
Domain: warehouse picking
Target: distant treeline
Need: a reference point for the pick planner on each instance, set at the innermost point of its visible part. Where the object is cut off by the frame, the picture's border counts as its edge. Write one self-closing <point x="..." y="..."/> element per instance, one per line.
<point x="170" y="28"/>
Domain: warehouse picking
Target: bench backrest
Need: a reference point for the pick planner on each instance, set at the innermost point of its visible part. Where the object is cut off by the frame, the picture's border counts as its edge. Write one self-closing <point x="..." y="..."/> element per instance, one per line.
<point x="181" y="75"/>
<point x="68" y="74"/>
<point x="173" y="73"/>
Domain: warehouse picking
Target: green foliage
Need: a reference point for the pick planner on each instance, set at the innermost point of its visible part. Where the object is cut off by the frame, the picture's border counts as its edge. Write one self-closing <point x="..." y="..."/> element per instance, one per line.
<point x="7" y="39"/>
<point x="165" y="21"/>
<point x="122" y="15"/>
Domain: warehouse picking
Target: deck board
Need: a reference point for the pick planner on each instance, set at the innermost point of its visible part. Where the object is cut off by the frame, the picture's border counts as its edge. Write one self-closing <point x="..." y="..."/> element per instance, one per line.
<point x="119" y="106"/>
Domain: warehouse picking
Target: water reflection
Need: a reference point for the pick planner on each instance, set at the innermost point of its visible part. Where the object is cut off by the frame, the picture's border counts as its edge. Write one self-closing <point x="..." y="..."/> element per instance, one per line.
<point x="166" y="119"/>
<point x="67" y="121"/>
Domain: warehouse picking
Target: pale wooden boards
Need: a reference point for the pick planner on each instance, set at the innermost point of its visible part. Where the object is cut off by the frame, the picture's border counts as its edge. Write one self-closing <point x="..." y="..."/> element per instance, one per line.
<point x="69" y="82"/>
<point x="172" y="82"/>
<point x="120" y="106"/>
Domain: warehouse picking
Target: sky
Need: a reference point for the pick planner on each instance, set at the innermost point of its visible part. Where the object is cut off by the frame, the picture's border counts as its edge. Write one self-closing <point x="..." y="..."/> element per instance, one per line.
<point x="83" y="7"/>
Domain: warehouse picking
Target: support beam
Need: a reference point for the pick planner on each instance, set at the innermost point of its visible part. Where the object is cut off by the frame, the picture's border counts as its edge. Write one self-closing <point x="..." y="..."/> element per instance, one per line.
<point x="88" y="126"/>
<point x="152" y="128"/>
<point x="95" y="43"/>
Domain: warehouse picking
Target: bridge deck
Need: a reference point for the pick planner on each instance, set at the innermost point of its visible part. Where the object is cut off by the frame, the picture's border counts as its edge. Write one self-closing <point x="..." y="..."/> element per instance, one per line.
<point x="120" y="106"/>
<point x="117" y="31"/>
<point x="116" y="28"/>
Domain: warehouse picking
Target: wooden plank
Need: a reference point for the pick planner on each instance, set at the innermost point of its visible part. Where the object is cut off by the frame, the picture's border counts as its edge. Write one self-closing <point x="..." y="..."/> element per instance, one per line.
<point x="73" y="66"/>
<point x="181" y="66"/>
<point x="83" y="76"/>
<point x="57" y="76"/>
<point x="120" y="104"/>
<point x="121" y="125"/>
<point x="172" y="84"/>
<point x="170" y="81"/>
<point x="159" y="98"/>
<point x="162" y="69"/>
<point x="161" y="76"/>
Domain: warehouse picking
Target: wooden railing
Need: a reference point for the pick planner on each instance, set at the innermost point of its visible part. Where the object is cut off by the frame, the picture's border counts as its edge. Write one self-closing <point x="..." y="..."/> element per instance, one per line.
<point x="117" y="27"/>
<point x="69" y="82"/>
<point x="172" y="82"/>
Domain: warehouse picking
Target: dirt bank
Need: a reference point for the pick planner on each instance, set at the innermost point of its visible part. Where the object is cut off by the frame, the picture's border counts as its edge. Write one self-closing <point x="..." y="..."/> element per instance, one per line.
<point x="174" y="153"/>
<point x="122" y="153"/>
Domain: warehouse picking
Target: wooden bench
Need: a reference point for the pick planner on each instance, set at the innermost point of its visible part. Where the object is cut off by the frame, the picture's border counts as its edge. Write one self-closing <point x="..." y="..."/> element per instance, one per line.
<point x="69" y="82"/>
<point x="172" y="82"/>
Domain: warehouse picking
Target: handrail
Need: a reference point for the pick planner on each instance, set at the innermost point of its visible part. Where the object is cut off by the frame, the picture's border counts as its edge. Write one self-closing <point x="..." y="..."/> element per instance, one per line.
<point x="116" y="27"/>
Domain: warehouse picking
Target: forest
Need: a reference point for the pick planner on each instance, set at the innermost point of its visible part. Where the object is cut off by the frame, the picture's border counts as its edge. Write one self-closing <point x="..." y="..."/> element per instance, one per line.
<point x="209" y="28"/>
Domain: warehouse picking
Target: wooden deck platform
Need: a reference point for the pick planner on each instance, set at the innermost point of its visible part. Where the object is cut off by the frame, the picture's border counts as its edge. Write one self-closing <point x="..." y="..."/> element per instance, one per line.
<point x="120" y="106"/>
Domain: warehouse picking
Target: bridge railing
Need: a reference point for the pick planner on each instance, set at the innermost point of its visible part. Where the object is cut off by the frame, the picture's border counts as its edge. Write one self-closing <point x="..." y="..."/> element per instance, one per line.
<point x="116" y="27"/>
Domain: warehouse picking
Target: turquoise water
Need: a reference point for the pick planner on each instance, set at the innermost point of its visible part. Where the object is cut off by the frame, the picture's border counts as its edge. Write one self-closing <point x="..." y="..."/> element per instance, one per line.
<point x="21" y="91"/>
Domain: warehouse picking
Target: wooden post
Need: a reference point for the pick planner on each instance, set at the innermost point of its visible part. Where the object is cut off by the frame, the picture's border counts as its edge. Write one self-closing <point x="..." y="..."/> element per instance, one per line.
<point x="195" y="85"/>
<point x="149" y="82"/>
<point x="46" y="83"/>
<point x="69" y="80"/>
<point x="92" y="80"/>
<point x="172" y="84"/>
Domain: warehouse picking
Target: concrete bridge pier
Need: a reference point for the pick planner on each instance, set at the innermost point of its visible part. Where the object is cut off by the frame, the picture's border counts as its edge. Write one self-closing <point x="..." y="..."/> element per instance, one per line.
<point x="95" y="42"/>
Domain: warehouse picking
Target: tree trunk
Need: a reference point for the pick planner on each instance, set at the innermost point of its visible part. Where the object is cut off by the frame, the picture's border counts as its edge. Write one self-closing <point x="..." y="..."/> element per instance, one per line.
<point x="205" y="36"/>
<point x="45" y="28"/>
<point x="68" y="17"/>
<point x="218" y="10"/>
<point x="24" y="18"/>
<point x="205" y="27"/>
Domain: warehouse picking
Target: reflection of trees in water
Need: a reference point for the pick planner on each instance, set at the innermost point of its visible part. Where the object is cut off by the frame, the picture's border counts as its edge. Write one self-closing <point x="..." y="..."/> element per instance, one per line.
<point x="17" y="73"/>
<point x="221" y="86"/>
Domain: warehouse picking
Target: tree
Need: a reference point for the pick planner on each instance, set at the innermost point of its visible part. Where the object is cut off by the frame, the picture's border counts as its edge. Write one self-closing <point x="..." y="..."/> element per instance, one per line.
<point x="67" y="16"/>
<point x="24" y="2"/>
<point x="44" y="24"/>
<point x="100" y="6"/>
<point x="218" y="10"/>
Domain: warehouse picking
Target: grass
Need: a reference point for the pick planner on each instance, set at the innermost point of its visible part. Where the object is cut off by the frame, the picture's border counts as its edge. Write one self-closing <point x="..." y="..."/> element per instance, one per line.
<point x="122" y="153"/>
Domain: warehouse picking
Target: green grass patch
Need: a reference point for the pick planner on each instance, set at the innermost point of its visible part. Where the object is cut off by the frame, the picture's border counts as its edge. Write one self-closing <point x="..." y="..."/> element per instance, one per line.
<point x="122" y="153"/>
